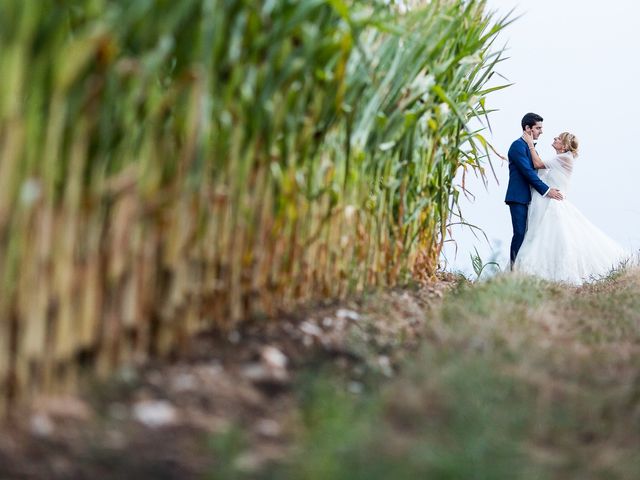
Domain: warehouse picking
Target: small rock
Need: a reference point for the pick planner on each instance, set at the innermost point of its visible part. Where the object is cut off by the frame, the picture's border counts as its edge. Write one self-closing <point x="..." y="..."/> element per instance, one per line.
<point x="356" y="388"/>
<point x="273" y="357"/>
<point x="155" y="413"/>
<point x="348" y="314"/>
<point x="268" y="428"/>
<point x="385" y="365"/>
<point x="41" y="425"/>
<point x="310" y="329"/>
<point x="260" y="373"/>
<point x="184" y="382"/>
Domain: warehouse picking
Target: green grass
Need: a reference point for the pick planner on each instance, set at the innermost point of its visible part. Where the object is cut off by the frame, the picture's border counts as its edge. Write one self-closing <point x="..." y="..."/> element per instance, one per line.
<point x="516" y="379"/>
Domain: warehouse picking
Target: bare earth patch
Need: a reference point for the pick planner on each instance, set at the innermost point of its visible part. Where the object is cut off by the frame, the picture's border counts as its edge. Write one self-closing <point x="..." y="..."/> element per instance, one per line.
<point x="159" y="421"/>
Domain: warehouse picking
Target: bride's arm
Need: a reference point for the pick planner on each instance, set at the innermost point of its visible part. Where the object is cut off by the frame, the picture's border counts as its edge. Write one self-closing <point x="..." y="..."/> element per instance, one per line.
<point x="537" y="161"/>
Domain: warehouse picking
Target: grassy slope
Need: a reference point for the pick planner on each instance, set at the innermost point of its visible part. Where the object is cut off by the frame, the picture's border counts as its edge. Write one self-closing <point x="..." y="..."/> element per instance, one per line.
<point x="506" y="379"/>
<point x="516" y="379"/>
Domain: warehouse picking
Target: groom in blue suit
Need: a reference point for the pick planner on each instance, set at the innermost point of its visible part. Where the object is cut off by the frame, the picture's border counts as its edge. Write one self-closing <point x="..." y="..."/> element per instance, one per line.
<point x="522" y="177"/>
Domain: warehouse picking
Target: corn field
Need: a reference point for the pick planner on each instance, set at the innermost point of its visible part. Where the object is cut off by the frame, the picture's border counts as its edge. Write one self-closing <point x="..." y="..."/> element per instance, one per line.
<point x="172" y="166"/>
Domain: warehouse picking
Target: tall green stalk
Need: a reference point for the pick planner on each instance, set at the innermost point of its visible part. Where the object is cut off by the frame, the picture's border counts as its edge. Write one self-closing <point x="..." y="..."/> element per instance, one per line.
<point x="168" y="166"/>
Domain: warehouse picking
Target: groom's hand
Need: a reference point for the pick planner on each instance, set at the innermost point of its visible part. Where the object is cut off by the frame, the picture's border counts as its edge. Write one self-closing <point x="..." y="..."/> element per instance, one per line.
<point x="555" y="194"/>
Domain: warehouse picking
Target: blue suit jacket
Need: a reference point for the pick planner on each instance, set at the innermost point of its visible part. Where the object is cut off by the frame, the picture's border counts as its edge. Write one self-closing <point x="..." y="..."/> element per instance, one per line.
<point x="522" y="175"/>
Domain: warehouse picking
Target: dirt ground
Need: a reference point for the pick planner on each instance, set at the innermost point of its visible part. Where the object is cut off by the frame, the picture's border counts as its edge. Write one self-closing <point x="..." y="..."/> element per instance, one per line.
<point x="162" y="421"/>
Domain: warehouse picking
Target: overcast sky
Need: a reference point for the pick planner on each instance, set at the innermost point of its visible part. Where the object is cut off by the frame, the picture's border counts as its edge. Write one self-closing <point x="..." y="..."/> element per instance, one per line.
<point x="576" y="64"/>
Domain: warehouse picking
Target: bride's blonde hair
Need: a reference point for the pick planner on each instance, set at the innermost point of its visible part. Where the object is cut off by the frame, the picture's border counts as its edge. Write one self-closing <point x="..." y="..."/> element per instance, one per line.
<point x="569" y="142"/>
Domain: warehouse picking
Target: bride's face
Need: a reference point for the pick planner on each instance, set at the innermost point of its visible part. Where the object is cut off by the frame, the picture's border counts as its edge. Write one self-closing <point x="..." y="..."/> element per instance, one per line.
<point x="558" y="145"/>
<point x="536" y="130"/>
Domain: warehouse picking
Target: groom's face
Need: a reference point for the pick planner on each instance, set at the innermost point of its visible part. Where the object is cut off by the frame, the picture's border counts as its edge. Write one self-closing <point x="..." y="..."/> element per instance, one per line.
<point x="535" y="131"/>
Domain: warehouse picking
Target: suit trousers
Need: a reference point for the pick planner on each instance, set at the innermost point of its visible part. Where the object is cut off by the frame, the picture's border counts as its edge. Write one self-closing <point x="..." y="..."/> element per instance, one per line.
<point x="519" y="212"/>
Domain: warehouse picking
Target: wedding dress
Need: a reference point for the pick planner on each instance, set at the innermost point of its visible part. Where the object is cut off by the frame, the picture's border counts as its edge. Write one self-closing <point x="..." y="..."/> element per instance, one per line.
<point x="560" y="243"/>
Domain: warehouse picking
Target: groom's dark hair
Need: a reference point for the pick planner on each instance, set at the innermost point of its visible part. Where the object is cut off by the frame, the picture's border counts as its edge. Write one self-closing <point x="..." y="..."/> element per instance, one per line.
<point x="530" y="119"/>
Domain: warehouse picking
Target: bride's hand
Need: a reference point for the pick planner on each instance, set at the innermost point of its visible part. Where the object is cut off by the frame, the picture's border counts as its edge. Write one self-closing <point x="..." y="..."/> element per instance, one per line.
<point x="527" y="137"/>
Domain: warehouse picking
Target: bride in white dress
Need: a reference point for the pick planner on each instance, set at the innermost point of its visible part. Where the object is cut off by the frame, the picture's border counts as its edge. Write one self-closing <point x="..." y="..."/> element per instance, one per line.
<point x="560" y="243"/>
